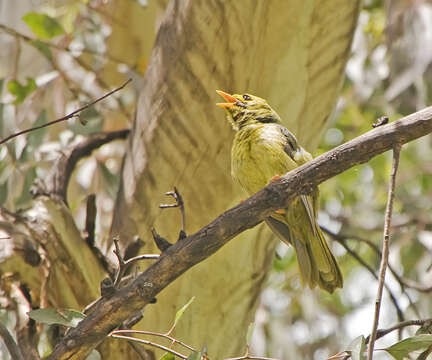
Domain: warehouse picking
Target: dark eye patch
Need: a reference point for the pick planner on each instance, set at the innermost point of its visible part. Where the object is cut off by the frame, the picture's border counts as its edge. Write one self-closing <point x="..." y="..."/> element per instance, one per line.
<point x="247" y="97"/>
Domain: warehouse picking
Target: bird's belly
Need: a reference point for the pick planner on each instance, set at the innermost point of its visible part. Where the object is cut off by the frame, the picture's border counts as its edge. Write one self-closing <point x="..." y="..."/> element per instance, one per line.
<point x="253" y="168"/>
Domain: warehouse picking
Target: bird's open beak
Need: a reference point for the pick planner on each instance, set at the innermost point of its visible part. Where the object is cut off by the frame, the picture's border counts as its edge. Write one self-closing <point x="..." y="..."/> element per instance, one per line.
<point x="231" y="100"/>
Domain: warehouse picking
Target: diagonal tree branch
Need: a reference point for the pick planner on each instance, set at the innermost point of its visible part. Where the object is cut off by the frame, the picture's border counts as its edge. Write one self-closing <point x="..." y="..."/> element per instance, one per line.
<point x="58" y="179"/>
<point x="108" y="313"/>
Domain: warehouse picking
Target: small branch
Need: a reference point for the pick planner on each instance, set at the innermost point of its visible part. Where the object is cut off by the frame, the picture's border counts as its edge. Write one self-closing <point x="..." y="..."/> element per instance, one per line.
<point x="142" y="332"/>
<point x="386" y="248"/>
<point x="124" y="265"/>
<point x="150" y="343"/>
<point x="66" y="117"/>
<point x="58" y="179"/>
<point x="383" y="332"/>
<point x="250" y="357"/>
<point x="180" y="204"/>
<point x="341" y="240"/>
<point x="10" y="343"/>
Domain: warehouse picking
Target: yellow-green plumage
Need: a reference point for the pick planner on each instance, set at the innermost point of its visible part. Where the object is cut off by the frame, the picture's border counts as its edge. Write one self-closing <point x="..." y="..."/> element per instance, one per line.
<point x="263" y="148"/>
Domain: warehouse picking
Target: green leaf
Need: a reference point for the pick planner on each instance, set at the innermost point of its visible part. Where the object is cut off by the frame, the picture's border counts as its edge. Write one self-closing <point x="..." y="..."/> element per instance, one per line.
<point x="167" y="356"/>
<point x="401" y="349"/>
<point x="21" y="91"/>
<point x="179" y="313"/>
<point x="48" y="316"/>
<point x="357" y="348"/>
<point x="249" y="333"/>
<point x="42" y="47"/>
<point x="194" y="356"/>
<point x="43" y="26"/>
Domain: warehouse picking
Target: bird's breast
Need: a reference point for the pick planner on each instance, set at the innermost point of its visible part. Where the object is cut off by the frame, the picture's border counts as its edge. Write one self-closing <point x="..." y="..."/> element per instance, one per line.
<point x="257" y="155"/>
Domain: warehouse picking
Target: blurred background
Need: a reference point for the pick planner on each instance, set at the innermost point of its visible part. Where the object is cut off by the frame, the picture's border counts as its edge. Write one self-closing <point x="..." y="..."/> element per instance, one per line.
<point x="57" y="55"/>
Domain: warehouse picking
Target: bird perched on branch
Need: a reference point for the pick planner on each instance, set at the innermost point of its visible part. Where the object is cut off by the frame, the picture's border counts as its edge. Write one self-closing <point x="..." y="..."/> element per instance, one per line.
<point x="262" y="151"/>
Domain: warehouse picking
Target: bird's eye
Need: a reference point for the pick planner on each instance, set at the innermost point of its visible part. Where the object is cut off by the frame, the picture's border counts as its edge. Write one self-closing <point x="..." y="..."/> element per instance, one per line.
<point x="247" y="97"/>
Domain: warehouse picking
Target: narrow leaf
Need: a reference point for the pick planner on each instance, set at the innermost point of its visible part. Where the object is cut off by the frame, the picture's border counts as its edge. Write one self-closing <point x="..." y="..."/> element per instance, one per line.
<point x="179" y="313"/>
<point x="357" y="348"/>
<point x="42" y="47"/>
<point x="48" y="316"/>
<point x="401" y="349"/>
<point x="42" y="25"/>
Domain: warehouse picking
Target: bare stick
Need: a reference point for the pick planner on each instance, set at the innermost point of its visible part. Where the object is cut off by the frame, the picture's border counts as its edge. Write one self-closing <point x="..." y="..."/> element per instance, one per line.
<point x="10" y="343"/>
<point x="143" y="332"/>
<point x="66" y="117"/>
<point x="123" y="265"/>
<point x="250" y="357"/>
<point x="342" y="241"/>
<point x="180" y="204"/>
<point x="401" y="325"/>
<point x="150" y="343"/>
<point x="385" y="250"/>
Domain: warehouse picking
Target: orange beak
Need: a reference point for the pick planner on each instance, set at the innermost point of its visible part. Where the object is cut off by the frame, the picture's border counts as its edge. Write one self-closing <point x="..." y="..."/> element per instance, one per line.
<point x="231" y="100"/>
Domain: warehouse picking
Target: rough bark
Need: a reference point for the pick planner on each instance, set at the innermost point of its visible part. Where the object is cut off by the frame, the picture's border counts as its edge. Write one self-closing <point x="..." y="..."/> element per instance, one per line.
<point x="292" y="53"/>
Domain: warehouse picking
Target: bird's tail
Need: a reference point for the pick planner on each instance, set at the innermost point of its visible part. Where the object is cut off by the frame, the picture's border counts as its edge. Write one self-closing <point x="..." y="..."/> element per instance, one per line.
<point x="316" y="262"/>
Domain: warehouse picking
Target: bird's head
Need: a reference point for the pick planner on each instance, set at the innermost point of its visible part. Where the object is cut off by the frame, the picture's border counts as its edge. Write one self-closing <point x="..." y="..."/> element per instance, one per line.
<point x="247" y="109"/>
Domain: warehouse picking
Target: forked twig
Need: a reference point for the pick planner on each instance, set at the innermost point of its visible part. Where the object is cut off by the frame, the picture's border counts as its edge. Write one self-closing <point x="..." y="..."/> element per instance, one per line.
<point x="124" y="264"/>
<point x="180" y="204"/>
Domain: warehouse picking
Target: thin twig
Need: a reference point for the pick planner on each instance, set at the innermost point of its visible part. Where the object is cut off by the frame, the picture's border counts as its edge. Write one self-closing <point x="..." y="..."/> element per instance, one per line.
<point x="150" y="343"/>
<point x="57" y="181"/>
<point x="142" y="257"/>
<point x="123" y="265"/>
<point x="10" y="343"/>
<point x="401" y="325"/>
<point x="67" y="117"/>
<point x="403" y="282"/>
<point x="341" y="240"/>
<point x="386" y="247"/>
<point x="143" y="332"/>
<point x="250" y="357"/>
<point x="180" y="204"/>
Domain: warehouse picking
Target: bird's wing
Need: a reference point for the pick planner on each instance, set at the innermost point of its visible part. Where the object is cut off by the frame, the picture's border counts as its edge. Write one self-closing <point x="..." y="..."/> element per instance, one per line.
<point x="280" y="229"/>
<point x="300" y="156"/>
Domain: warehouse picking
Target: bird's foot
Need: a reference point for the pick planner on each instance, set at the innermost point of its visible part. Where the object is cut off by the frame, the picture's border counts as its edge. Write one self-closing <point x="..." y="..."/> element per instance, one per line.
<point x="274" y="178"/>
